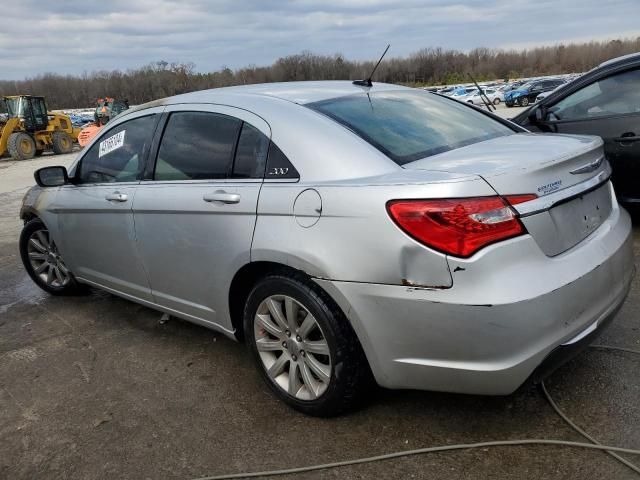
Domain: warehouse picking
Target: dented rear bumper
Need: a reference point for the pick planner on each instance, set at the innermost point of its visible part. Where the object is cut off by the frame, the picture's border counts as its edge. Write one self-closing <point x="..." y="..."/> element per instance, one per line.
<point x="510" y="307"/>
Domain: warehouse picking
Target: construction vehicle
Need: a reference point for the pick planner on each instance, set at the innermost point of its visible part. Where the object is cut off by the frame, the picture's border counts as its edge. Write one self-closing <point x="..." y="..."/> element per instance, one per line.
<point x="27" y="129"/>
<point x="106" y="109"/>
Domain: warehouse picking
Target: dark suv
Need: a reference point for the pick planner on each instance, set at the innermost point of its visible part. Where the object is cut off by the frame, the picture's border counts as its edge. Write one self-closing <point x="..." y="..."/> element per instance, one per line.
<point x="603" y="102"/>
<point x="528" y="92"/>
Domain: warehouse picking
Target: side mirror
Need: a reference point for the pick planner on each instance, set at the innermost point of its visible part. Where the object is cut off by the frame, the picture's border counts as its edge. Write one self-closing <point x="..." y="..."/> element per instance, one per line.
<point x="538" y="114"/>
<point x="51" y="176"/>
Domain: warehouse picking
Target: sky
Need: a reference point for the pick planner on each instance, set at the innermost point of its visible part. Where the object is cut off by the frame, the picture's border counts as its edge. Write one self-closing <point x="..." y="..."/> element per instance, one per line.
<point x="76" y="36"/>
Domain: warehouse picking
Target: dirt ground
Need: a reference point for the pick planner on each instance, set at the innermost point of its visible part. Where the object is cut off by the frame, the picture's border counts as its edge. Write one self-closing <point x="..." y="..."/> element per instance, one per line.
<point x="95" y="387"/>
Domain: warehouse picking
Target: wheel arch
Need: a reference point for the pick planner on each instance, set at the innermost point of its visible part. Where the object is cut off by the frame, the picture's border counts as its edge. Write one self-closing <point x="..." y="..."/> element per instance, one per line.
<point x="28" y="214"/>
<point x="243" y="282"/>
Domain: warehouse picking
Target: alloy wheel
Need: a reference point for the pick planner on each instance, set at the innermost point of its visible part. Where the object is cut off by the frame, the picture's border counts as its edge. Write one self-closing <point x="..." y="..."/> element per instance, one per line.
<point x="45" y="260"/>
<point x="292" y="347"/>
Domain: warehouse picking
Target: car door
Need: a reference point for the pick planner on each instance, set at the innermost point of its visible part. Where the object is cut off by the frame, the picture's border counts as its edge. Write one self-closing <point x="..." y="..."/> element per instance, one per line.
<point x="610" y="108"/>
<point x="535" y="90"/>
<point x="195" y="212"/>
<point x="94" y="211"/>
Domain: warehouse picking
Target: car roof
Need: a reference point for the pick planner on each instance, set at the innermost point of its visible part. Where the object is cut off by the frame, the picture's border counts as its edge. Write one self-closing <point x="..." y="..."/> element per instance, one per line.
<point x="623" y="58"/>
<point x="296" y="92"/>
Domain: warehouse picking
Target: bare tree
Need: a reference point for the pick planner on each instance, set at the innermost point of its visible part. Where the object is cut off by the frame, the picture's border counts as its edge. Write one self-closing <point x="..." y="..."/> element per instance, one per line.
<point x="427" y="66"/>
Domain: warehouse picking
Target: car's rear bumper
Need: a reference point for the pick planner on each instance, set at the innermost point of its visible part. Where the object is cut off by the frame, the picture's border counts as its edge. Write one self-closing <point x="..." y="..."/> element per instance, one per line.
<point x="567" y="351"/>
<point x="490" y="331"/>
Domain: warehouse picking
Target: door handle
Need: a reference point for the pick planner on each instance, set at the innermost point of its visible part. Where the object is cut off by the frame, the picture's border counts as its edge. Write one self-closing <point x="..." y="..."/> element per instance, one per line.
<point x="627" y="138"/>
<point x="222" y="197"/>
<point x="117" y="197"/>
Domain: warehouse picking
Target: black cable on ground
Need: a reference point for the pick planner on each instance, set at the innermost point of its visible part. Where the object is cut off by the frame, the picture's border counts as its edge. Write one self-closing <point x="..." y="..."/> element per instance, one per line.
<point x="595" y="445"/>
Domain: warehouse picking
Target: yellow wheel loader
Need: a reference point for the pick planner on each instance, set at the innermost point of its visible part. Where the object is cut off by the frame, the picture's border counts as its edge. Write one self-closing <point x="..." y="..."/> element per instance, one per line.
<point x="27" y="129"/>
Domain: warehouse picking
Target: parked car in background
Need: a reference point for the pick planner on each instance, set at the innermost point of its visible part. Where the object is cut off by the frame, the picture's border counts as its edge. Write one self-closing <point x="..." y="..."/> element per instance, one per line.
<point x="512" y="86"/>
<point x="464" y="94"/>
<point x="544" y="95"/>
<point x="492" y="94"/>
<point x="603" y="102"/>
<point x="527" y="93"/>
<point x="446" y="91"/>
<point x="470" y="248"/>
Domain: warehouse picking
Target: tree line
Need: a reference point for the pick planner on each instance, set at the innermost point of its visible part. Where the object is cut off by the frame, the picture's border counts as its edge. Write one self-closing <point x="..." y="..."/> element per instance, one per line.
<point x="428" y="66"/>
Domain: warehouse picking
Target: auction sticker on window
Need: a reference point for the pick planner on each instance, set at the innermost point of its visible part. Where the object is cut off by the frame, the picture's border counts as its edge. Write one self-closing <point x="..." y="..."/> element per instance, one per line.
<point x="112" y="143"/>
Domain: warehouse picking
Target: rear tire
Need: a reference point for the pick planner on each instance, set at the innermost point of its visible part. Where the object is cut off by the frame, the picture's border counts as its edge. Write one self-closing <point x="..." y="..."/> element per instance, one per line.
<point x="62" y="142"/>
<point x="43" y="262"/>
<point x="333" y="374"/>
<point x="523" y="101"/>
<point x="21" y="146"/>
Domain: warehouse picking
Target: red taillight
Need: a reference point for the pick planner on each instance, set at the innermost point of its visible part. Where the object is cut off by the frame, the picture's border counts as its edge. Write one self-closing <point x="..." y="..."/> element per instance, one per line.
<point x="459" y="226"/>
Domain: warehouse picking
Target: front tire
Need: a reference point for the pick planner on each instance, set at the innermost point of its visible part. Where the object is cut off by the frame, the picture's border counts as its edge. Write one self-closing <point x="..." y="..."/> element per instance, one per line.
<point x="21" y="146"/>
<point x="44" y="263"/>
<point x="523" y="101"/>
<point x="496" y="101"/>
<point x="304" y="347"/>
<point x="62" y="142"/>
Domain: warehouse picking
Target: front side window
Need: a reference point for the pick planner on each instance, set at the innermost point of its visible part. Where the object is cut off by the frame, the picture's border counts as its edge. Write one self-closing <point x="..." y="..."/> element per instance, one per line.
<point x="119" y="154"/>
<point x="197" y="146"/>
<point x="408" y="126"/>
<point x="615" y="95"/>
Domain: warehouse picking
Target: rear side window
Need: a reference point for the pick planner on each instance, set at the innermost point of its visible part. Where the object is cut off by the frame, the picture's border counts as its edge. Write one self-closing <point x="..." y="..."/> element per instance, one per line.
<point x="251" y="153"/>
<point x="197" y="146"/>
<point x="407" y="125"/>
<point x="119" y="154"/>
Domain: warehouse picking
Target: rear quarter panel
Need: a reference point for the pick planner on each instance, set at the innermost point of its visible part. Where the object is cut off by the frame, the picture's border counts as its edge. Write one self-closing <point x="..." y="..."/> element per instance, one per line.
<point x="354" y="238"/>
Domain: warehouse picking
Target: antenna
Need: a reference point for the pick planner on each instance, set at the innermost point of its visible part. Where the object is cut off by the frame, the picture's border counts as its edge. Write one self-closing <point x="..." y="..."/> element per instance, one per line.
<point x="367" y="82"/>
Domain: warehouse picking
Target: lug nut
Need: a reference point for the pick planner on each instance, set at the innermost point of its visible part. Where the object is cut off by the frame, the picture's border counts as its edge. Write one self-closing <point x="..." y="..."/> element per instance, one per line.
<point x="303" y="353"/>
<point x="284" y="344"/>
<point x="294" y="358"/>
<point x="287" y="333"/>
<point x="299" y="338"/>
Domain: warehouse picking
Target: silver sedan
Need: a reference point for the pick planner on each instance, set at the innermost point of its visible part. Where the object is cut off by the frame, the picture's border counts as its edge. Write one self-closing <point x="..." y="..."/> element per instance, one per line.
<point x="348" y="234"/>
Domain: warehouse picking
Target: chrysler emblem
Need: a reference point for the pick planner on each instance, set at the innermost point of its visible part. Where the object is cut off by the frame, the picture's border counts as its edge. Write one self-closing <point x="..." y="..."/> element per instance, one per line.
<point x="589" y="167"/>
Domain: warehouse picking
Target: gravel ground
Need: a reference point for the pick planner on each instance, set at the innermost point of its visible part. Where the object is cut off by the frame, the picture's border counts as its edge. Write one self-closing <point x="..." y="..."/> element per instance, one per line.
<point x="95" y="387"/>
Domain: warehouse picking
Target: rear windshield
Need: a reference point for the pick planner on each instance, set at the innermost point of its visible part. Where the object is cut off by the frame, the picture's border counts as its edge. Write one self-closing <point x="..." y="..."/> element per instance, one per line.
<point x="407" y="125"/>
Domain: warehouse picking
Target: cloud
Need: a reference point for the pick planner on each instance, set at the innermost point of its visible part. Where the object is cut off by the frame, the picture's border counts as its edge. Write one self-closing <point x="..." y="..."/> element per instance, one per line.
<point x="76" y="36"/>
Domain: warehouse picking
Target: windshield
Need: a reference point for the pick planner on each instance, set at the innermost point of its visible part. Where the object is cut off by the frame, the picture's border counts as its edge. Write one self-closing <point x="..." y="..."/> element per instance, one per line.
<point x="407" y="125"/>
<point x="12" y="105"/>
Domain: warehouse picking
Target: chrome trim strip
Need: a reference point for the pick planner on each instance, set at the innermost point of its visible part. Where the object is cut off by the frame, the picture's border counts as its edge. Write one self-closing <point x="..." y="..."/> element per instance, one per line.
<point x="547" y="201"/>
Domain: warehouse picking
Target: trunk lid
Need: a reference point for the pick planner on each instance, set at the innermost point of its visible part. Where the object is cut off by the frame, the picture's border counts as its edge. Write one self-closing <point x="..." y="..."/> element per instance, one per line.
<point x="523" y="162"/>
<point x="562" y="170"/>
